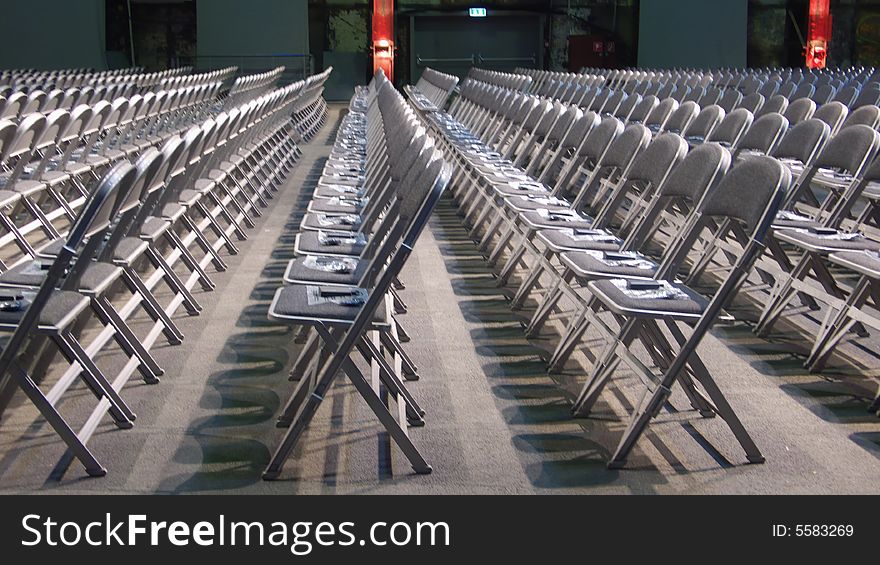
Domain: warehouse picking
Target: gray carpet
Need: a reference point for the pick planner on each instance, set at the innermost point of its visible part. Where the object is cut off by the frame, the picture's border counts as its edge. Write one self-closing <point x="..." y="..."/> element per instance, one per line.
<point x="496" y="422"/>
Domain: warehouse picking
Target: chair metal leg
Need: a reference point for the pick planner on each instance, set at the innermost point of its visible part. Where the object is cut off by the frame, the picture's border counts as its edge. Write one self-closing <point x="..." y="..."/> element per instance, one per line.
<point x="95" y="380"/>
<point x="58" y="423"/>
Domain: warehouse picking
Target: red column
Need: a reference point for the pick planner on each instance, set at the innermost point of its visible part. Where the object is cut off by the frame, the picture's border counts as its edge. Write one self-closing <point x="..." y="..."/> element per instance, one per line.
<point x="819" y="33"/>
<point x="383" y="37"/>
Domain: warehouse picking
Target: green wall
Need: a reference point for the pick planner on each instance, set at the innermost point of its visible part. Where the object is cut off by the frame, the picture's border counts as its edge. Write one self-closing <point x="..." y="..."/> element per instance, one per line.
<point x="693" y="33"/>
<point x="52" y="34"/>
<point x="252" y="27"/>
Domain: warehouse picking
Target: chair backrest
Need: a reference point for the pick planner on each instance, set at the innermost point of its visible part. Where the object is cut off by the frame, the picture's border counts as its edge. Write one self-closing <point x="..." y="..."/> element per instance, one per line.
<point x="652" y="165"/>
<point x="711" y="96"/>
<point x="730" y="99"/>
<point x="732" y="128"/>
<point x="624" y="148"/>
<point x="752" y="102"/>
<point x="786" y="90"/>
<point x="680" y="93"/>
<point x="823" y="94"/>
<point x="627" y="106"/>
<point x="643" y="108"/>
<point x="147" y="165"/>
<point x="803" y="90"/>
<point x="764" y="134"/>
<point x="7" y="134"/>
<point x="14" y="103"/>
<point x="775" y="104"/>
<point x="846" y="95"/>
<point x="695" y="94"/>
<point x="803" y="141"/>
<point x="681" y="118"/>
<point x="800" y="110"/>
<point x="750" y="193"/>
<point x="599" y="138"/>
<point x="661" y="114"/>
<point x="704" y="123"/>
<point x="865" y="115"/>
<point x="769" y="88"/>
<point x="29" y="131"/>
<point x="681" y="192"/>
<point x="851" y="149"/>
<point x="121" y="176"/>
<point x="579" y="130"/>
<point x="613" y="102"/>
<point x="867" y="97"/>
<point x="832" y="113"/>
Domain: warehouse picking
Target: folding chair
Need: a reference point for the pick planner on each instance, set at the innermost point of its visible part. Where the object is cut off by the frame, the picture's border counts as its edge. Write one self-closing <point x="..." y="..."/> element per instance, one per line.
<point x="341" y="329"/>
<point x="742" y="209"/>
<point x="51" y="313"/>
<point x="843" y="316"/>
<point x="659" y="231"/>
<point x="814" y="241"/>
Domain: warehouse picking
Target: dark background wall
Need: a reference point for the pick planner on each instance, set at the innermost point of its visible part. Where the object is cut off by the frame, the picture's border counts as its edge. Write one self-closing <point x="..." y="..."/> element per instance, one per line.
<point x="55" y="34"/>
<point x="211" y="33"/>
<point x="255" y="33"/>
<point x="693" y="33"/>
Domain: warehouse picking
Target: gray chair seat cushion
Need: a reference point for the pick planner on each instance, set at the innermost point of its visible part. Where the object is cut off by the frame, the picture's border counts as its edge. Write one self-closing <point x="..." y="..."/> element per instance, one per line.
<point x="154" y="227"/>
<point x="586" y="266"/>
<point x="63" y="306"/>
<point x="560" y="240"/>
<point x="823" y="243"/>
<point x="27" y="273"/>
<point x="523" y="204"/>
<point x="52" y="249"/>
<point x="307" y="242"/>
<point x="293" y="302"/>
<point x="129" y="249"/>
<point x="536" y="221"/>
<point x="54" y="177"/>
<point x="793" y="223"/>
<point x="863" y="262"/>
<point x="519" y="189"/>
<point x="334" y="192"/>
<point x="204" y="185"/>
<point x="189" y="197"/>
<point x="8" y="197"/>
<point x="99" y="276"/>
<point x="28" y="187"/>
<point x="328" y="207"/>
<point x="173" y="211"/>
<point x="313" y="221"/>
<point x="616" y="300"/>
<point x="298" y="271"/>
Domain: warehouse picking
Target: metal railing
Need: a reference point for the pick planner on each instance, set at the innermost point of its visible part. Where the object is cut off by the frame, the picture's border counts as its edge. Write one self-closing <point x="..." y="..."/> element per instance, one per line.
<point x="476" y="59"/>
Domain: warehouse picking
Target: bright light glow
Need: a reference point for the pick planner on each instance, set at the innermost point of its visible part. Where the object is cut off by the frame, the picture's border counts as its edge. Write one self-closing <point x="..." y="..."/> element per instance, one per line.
<point x="477" y="12"/>
<point x="383" y="43"/>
